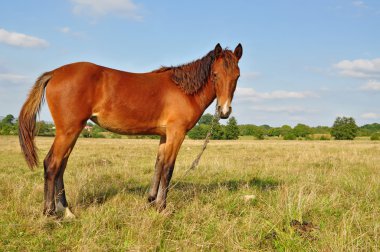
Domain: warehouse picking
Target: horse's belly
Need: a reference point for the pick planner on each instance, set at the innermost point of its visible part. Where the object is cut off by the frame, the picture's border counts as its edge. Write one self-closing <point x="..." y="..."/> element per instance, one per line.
<point x="130" y="125"/>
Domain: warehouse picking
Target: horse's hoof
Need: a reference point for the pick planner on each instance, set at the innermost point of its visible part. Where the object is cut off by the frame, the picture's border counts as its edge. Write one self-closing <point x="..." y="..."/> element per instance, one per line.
<point x="151" y="199"/>
<point x="160" y="206"/>
<point x="69" y="214"/>
<point x="49" y="213"/>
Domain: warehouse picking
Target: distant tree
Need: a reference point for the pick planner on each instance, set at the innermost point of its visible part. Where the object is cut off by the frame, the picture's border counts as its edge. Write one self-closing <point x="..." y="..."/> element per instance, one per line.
<point x="285" y="130"/>
<point x="199" y="131"/>
<point x="8" y="126"/>
<point x="321" y="130"/>
<point x="302" y="130"/>
<point x="97" y="129"/>
<point x="265" y="126"/>
<point x="6" y="129"/>
<point x="324" y="137"/>
<point x="260" y="132"/>
<point x="274" y="132"/>
<point x="290" y="136"/>
<point x="369" y="129"/>
<point x="252" y="130"/>
<point x="372" y="127"/>
<point x="232" y="130"/>
<point x="8" y="119"/>
<point x="206" y="119"/>
<point x="218" y="132"/>
<point x="247" y="129"/>
<point x="45" y="128"/>
<point x="86" y="133"/>
<point x="375" y="137"/>
<point x="344" y="128"/>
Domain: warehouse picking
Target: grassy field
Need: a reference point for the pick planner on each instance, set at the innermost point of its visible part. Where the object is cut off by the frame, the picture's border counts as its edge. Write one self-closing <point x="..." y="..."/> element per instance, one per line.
<point x="246" y="195"/>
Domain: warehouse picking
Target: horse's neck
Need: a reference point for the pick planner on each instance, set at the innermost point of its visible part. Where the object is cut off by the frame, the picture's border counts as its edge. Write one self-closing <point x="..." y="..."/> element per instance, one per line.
<point x="205" y="96"/>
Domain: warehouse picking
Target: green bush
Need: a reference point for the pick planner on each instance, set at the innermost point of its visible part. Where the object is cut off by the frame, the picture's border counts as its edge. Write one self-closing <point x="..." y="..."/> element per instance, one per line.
<point x="375" y="137"/>
<point x="257" y="131"/>
<point x="97" y="135"/>
<point x="231" y="129"/>
<point x="199" y="132"/>
<point x="86" y="133"/>
<point x="115" y="136"/>
<point x="324" y="137"/>
<point x="290" y="136"/>
<point x="344" y="128"/>
<point x="302" y="130"/>
<point x="218" y="132"/>
<point x="308" y="137"/>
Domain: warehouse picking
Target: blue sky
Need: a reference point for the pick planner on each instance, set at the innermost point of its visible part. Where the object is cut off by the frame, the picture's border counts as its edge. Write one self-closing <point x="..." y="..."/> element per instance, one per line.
<point x="303" y="61"/>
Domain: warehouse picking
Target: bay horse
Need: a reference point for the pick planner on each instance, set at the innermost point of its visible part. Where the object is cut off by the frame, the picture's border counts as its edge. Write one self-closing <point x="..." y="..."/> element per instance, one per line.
<point x="167" y="102"/>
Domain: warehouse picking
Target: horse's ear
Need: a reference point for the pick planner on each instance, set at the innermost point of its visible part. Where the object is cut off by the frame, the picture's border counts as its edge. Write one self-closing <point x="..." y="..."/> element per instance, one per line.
<point x="218" y="50"/>
<point x="238" y="51"/>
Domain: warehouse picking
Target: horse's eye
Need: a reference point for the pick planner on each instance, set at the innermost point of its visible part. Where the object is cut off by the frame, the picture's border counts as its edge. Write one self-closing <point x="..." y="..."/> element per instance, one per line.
<point x="214" y="74"/>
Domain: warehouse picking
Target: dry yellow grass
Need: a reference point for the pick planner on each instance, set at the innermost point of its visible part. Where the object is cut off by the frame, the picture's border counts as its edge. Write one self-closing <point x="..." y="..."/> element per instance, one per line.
<point x="304" y="195"/>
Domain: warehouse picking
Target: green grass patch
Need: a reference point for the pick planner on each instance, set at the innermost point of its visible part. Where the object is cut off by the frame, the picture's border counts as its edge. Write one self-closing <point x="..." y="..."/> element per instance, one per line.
<point x="246" y="195"/>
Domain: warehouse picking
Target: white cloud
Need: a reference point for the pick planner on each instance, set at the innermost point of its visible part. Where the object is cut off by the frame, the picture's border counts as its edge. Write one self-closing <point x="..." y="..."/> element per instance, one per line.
<point x="253" y="95"/>
<point x="14" y="78"/>
<point x="359" y="4"/>
<point x="249" y="76"/>
<point x="65" y="29"/>
<point x="370" y="115"/>
<point x="360" y="68"/>
<point x="372" y="85"/>
<point x="282" y="109"/>
<point x="20" y="39"/>
<point x="68" y="31"/>
<point x="99" y="8"/>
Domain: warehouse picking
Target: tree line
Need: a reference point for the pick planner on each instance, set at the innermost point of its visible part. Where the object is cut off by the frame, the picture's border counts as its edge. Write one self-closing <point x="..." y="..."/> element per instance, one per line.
<point x="344" y="128"/>
<point x="9" y="126"/>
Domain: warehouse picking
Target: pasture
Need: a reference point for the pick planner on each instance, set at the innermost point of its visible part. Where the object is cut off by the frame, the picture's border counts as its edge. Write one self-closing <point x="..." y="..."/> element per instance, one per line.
<point x="246" y="195"/>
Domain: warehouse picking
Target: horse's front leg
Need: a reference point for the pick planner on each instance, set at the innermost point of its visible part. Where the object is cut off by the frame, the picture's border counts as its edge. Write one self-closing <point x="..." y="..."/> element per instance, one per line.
<point x="172" y="146"/>
<point x="157" y="172"/>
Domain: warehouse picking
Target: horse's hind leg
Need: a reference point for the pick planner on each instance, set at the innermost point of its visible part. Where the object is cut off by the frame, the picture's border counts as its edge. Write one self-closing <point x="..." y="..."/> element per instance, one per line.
<point x="54" y="166"/>
<point x="60" y="194"/>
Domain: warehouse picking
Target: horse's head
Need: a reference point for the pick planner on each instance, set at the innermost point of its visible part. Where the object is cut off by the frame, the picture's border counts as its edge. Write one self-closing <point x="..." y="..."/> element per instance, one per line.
<point x="225" y="73"/>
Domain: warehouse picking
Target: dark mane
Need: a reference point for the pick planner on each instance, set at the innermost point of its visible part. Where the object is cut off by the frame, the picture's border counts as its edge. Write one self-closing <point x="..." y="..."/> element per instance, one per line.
<point x="191" y="76"/>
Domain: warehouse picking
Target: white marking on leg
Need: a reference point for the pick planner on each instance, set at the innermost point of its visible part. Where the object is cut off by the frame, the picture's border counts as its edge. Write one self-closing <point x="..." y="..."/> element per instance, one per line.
<point x="59" y="207"/>
<point x="69" y="214"/>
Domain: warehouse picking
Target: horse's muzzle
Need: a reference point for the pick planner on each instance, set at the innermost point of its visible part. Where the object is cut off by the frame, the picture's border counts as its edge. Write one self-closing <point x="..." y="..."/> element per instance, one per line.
<point x="224" y="112"/>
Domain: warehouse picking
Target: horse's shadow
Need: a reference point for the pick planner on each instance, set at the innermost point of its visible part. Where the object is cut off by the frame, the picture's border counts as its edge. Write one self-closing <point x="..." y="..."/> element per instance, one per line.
<point x="101" y="194"/>
<point x="262" y="184"/>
